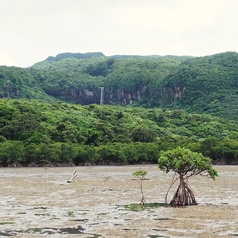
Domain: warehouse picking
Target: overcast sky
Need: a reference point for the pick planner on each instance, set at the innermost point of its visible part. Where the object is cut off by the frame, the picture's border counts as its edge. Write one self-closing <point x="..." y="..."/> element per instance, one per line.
<point x="32" y="30"/>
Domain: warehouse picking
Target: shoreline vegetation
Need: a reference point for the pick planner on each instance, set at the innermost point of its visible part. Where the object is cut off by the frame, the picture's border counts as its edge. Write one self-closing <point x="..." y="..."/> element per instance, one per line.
<point x="37" y="133"/>
<point x="87" y="164"/>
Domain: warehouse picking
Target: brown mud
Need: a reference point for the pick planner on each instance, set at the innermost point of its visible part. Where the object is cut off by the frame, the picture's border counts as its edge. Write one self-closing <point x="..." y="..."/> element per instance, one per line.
<point x="102" y="201"/>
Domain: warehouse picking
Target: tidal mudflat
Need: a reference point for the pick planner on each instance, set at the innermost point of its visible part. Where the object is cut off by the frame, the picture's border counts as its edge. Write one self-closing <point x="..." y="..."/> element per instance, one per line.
<point x="102" y="201"/>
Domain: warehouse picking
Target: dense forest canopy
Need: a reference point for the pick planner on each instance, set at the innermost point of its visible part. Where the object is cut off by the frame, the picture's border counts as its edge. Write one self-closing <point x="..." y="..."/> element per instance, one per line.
<point x="38" y="132"/>
<point x="50" y="112"/>
<point x="210" y="83"/>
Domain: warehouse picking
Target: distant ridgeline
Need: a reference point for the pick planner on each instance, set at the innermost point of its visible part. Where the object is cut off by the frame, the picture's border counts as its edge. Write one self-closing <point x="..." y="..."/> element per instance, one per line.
<point x="196" y="84"/>
<point x="74" y="55"/>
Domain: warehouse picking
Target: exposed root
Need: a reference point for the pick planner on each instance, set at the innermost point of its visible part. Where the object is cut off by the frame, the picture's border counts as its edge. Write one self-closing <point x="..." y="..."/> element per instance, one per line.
<point x="184" y="196"/>
<point x="142" y="202"/>
<point x="173" y="181"/>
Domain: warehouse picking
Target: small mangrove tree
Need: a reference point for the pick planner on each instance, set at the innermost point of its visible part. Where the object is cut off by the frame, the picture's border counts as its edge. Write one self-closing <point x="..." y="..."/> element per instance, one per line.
<point x="185" y="164"/>
<point x="140" y="175"/>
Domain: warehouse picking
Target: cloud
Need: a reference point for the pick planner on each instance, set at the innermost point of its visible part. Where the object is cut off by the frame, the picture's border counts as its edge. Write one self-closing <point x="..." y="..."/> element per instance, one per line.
<point x="31" y="30"/>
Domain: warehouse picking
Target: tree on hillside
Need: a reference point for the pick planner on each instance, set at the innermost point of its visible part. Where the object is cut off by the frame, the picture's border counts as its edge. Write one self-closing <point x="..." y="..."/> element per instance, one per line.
<point x="185" y="164"/>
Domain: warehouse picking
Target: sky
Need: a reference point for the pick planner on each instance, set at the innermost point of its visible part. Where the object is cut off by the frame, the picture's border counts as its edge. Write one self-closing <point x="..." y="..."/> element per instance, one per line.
<point x="32" y="30"/>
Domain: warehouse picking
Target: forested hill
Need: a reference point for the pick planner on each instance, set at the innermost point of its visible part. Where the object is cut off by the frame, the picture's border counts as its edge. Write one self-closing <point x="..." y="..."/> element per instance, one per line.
<point x="196" y="84"/>
<point x="37" y="133"/>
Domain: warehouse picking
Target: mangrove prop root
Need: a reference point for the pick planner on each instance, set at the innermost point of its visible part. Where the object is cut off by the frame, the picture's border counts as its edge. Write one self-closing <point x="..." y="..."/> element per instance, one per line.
<point x="173" y="181"/>
<point x="142" y="202"/>
<point x="183" y="196"/>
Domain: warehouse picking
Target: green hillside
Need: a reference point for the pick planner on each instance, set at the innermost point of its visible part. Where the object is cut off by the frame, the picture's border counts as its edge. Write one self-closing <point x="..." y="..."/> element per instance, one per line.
<point x="20" y="83"/>
<point x="195" y="84"/>
<point x="40" y="133"/>
<point x="68" y="78"/>
<point x="210" y="85"/>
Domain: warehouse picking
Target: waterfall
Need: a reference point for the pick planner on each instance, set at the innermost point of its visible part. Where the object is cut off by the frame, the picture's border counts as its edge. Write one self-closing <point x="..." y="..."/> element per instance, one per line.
<point x="101" y="95"/>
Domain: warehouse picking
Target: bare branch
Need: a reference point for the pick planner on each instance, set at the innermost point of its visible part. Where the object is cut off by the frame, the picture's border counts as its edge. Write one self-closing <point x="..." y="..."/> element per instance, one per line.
<point x="74" y="175"/>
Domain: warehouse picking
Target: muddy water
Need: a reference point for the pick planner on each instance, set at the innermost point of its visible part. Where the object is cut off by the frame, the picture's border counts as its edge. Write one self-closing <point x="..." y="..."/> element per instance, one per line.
<point x="99" y="203"/>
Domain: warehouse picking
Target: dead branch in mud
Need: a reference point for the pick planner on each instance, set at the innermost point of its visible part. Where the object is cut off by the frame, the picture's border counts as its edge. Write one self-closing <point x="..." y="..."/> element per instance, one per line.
<point x="74" y="175"/>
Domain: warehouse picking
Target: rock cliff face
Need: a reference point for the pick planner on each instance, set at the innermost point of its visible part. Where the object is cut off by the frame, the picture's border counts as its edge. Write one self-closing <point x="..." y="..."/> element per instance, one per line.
<point x="95" y="95"/>
<point x="123" y="96"/>
<point x="171" y="94"/>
